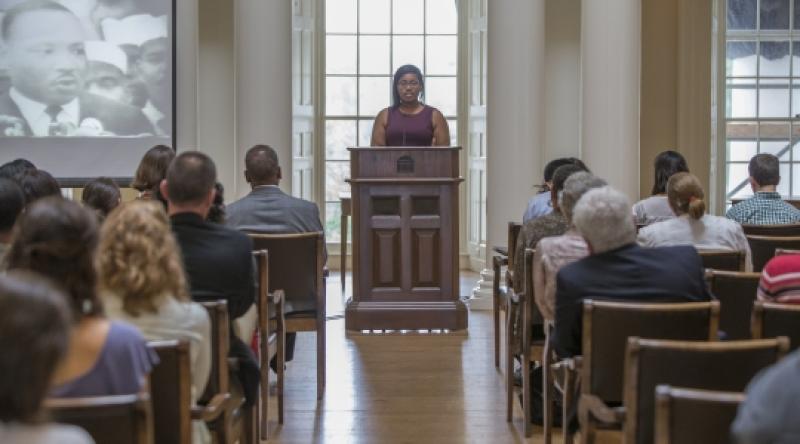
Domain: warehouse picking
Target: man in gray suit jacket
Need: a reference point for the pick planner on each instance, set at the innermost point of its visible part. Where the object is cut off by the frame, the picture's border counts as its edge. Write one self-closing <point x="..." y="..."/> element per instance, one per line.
<point x="267" y="209"/>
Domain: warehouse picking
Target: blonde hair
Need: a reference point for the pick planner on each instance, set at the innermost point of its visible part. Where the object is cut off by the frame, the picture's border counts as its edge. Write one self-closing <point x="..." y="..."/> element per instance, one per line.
<point x="685" y="195"/>
<point x="138" y="258"/>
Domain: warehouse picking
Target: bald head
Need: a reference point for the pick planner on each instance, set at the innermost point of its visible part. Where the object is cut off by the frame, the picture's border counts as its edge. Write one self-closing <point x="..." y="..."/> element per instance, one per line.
<point x="261" y="166"/>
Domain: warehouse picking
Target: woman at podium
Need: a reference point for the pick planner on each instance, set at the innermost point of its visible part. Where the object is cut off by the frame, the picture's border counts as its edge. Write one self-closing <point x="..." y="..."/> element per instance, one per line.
<point x="409" y="122"/>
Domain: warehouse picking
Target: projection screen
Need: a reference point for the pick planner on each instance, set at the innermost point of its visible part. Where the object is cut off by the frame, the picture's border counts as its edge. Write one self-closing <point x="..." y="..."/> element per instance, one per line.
<point x="86" y="86"/>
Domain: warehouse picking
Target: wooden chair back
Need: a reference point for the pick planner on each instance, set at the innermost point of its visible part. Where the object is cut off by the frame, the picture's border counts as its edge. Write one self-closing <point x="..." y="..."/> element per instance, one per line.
<point x="723" y="259"/>
<point x="171" y="391"/>
<point x="725" y="365"/>
<point x="218" y="378"/>
<point x="513" y="234"/>
<point x="694" y="416"/>
<point x="736" y="292"/>
<point x="763" y="248"/>
<point x="607" y="326"/>
<point x="784" y="251"/>
<point x="123" y="419"/>
<point x="786" y="230"/>
<point x="771" y="320"/>
<point x="297" y="269"/>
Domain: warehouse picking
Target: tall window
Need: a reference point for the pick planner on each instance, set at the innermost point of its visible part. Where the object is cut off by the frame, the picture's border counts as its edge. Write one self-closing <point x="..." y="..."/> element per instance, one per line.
<point x="365" y="42"/>
<point x="762" y="95"/>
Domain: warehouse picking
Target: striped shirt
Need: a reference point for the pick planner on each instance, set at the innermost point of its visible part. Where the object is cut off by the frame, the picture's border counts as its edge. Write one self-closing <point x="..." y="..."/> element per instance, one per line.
<point x="764" y="208"/>
<point x="780" y="280"/>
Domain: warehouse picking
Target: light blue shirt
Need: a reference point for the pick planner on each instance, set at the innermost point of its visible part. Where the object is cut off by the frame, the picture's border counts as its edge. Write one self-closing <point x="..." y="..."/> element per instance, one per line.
<point x="539" y="205"/>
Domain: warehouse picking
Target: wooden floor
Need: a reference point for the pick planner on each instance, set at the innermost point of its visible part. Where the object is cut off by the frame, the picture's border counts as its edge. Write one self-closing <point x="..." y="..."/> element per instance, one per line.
<point x="400" y="388"/>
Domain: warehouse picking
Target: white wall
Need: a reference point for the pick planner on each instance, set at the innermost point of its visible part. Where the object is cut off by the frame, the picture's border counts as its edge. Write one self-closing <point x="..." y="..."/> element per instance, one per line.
<point x="562" y="79"/>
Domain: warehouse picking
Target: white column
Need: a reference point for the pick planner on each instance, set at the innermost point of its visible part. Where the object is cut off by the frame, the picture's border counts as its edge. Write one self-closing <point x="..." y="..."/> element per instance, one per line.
<point x="610" y="79"/>
<point x="263" y="83"/>
<point x="515" y="97"/>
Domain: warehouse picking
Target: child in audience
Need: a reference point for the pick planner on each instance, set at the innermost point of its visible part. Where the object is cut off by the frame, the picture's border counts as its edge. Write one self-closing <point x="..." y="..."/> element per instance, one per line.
<point x="57" y="238"/>
<point x="101" y="195"/>
<point x="34" y="336"/>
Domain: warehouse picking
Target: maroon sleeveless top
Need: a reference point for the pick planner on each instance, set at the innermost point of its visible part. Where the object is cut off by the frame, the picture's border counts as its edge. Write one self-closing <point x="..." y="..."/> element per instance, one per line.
<point x="409" y="130"/>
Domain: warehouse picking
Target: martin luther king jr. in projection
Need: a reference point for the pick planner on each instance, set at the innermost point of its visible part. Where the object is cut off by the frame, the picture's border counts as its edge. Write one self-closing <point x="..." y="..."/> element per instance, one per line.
<point x="44" y="51"/>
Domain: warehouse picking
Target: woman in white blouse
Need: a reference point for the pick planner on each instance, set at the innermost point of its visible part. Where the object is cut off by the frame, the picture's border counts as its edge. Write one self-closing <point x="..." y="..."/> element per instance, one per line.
<point x="143" y="283"/>
<point x="693" y="226"/>
<point x="656" y="207"/>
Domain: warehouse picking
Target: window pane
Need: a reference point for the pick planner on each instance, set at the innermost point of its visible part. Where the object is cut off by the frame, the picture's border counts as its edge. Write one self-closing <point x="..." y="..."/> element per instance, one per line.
<point x="339" y="135"/>
<point x="741" y="59"/>
<point x="796" y="99"/>
<point x="774" y="14"/>
<point x="365" y="132"/>
<point x="441" y="55"/>
<point x="408" y="17"/>
<point x="333" y="222"/>
<point x="452" y="124"/>
<point x="335" y="180"/>
<point x="408" y="50"/>
<point x="340" y="96"/>
<point x="340" y="54"/>
<point x="374" y="17"/>
<point x="440" y="92"/>
<point x="340" y="16"/>
<point x="795" y="181"/>
<point x="741" y="14"/>
<point x="774" y="139"/>
<point x="783" y="186"/>
<point x="374" y="95"/>
<point x="796" y="58"/>
<point x="773" y="98"/>
<point x="741" y="98"/>
<point x="738" y="178"/>
<point x="441" y="16"/>
<point x="374" y="56"/>
<point x="796" y="14"/>
<point x="741" y="150"/>
<point x="774" y="59"/>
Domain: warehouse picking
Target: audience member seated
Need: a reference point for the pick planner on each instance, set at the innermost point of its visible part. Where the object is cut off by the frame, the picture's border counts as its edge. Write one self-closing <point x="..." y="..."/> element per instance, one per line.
<point x="217" y="213"/>
<point x="12" y="170"/>
<point x="766" y="206"/>
<point x="151" y="171"/>
<point x="101" y="195"/>
<point x="618" y="268"/>
<point x="12" y="201"/>
<point x="540" y="205"/>
<point x="780" y="280"/>
<point x="552" y="253"/>
<point x="553" y="224"/>
<point x="34" y="336"/>
<point x="218" y="260"/>
<point x="656" y="207"/>
<point x="267" y="209"/>
<point x="772" y="399"/>
<point x="58" y="238"/>
<point x="142" y="282"/>
<point x="693" y="226"/>
<point x="37" y="184"/>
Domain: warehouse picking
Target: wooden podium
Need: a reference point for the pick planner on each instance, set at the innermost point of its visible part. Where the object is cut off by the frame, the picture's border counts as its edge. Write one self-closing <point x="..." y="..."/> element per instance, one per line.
<point x="405" y="239"/>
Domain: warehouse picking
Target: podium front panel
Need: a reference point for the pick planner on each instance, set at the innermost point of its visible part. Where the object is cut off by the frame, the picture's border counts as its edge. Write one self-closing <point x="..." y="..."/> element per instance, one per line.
<point x="405" y="240"/>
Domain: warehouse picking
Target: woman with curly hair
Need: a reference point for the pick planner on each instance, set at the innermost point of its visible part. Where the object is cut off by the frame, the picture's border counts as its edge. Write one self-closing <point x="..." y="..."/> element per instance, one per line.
<point x="58" y="238"/>
<point x="142" y="282"/>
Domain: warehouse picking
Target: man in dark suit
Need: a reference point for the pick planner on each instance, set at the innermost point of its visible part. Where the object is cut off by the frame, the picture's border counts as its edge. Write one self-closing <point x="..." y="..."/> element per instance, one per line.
<point x="267" y="209"/>
<point x="46" y="62"/>
<point x="218" y="260"/>
<point x="618" y="269"/>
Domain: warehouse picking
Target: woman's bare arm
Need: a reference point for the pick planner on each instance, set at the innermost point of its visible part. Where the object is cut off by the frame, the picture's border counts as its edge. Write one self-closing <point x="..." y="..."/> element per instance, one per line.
<point x="379" y="128"/>
<point x="441" y="131"/>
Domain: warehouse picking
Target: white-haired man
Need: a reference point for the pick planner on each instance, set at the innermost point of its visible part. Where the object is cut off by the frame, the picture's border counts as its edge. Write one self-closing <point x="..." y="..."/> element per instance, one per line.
<point x="617" y="268"/>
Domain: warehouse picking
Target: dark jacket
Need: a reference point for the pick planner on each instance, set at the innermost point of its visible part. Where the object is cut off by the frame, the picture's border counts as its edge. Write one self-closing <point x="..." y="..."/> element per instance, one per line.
<point x="117" y="118"/>
<point x="219" y="265"/>
<point x="630" y="274"/>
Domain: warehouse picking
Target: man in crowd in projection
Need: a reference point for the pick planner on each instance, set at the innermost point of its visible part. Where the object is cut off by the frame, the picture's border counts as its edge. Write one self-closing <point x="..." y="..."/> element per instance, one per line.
<point x="145" y="38"/>
<point x="107" y="73"/>
<point x="44" y="52"/>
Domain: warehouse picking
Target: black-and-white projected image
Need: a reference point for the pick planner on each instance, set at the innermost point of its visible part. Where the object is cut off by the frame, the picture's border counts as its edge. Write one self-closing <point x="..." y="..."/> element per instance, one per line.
<point x="72" y="71"/>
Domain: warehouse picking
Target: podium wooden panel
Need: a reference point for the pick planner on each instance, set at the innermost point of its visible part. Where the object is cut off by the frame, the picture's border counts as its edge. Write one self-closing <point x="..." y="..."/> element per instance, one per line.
<point x="405" y="239"/>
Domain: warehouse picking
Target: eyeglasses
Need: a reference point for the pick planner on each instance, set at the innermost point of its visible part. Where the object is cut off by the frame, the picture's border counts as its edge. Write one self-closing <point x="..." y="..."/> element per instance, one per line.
<point x="413" y="83"/>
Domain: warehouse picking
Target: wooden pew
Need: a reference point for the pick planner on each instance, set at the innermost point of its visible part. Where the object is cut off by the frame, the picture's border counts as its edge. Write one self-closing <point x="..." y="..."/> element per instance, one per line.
<point x="123" y="419"/>
<point x="171" y="391"/>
